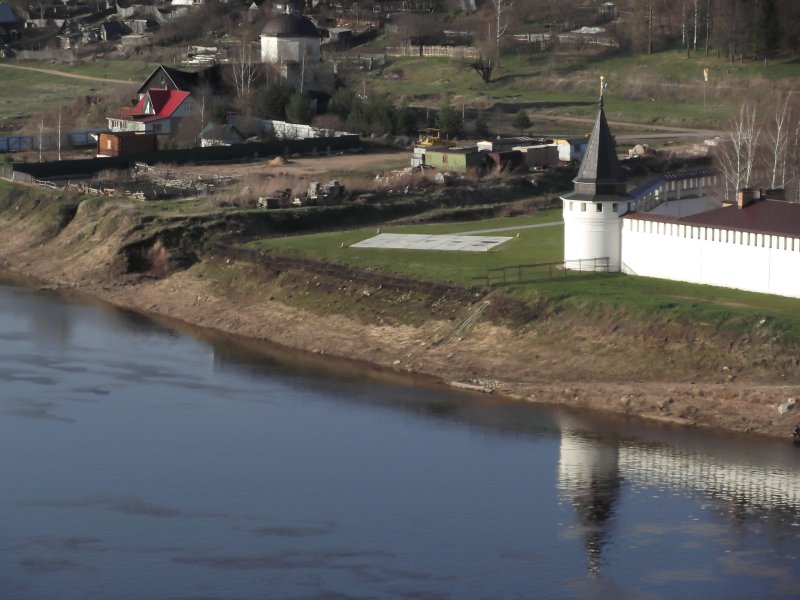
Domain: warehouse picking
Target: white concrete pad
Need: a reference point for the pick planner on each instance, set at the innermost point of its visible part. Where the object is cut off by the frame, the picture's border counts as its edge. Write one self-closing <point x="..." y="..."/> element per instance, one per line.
<point x="415" y="241"/>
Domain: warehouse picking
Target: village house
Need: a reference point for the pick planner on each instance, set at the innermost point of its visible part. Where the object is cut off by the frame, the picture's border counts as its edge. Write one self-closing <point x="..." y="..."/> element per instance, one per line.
<point x="9" y="24"/>
<point x="159" y="111"/>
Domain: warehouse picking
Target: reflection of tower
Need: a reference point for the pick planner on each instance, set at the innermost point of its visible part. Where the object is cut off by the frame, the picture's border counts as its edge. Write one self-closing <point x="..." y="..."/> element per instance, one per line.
<point x="50" y="328"/>
<point x="588" y="477"/>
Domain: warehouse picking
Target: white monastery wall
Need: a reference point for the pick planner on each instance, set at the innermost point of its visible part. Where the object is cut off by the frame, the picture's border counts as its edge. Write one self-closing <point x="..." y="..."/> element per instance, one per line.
<point x="747" y="261"/>
<point x="592" y="230"/>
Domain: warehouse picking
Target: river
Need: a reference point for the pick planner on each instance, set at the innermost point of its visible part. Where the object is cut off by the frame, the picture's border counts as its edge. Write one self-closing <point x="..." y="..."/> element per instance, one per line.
<point x="142" y="462"/>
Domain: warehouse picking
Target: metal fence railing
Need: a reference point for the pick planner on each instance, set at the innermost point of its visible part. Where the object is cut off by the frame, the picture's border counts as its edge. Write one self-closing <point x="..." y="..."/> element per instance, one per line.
<point x="542" y="271"/>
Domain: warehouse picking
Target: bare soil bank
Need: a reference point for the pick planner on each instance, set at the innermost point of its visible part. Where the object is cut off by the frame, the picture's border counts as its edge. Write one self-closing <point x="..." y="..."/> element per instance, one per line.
<point x="693" y="376"/>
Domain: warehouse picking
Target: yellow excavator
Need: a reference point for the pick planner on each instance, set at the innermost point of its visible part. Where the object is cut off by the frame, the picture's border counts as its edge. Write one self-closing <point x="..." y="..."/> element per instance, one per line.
<point x="430" y="137"/>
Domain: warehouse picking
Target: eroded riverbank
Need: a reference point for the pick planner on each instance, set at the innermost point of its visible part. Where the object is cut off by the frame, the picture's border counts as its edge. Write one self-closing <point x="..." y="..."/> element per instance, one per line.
<point x="671" y="372"/>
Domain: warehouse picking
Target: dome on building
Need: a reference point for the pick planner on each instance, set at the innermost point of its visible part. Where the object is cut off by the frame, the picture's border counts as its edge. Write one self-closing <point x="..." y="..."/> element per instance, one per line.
<point x="293" y="25"/>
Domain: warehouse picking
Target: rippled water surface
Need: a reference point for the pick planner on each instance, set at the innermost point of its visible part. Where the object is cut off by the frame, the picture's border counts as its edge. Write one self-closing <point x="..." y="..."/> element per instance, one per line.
<point x="137" y="462"/>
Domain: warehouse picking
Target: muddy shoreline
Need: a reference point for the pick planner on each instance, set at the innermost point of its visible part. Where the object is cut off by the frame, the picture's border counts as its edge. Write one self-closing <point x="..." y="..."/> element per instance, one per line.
<point x="339" y="344"/>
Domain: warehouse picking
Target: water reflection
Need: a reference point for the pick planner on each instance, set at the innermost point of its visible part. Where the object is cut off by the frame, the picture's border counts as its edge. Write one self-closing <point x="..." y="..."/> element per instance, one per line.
<point x="592" y="471"/>
<point x="231" y="469"/>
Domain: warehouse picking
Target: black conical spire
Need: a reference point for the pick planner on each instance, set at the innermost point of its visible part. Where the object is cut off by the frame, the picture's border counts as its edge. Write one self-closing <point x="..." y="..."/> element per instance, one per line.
<point x="599" y="173"/>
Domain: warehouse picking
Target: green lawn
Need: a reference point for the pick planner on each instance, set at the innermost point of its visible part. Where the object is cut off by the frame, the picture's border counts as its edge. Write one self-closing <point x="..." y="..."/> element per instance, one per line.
<point x="532" y="246"/>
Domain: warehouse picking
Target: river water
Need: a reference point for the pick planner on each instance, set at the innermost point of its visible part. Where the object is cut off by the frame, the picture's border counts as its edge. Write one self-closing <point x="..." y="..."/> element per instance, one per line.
<point x="139" y="462"/>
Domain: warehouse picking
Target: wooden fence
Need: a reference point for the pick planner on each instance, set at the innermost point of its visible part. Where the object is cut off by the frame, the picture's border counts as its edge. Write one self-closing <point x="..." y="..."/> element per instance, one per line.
<point x="467" y="52"/>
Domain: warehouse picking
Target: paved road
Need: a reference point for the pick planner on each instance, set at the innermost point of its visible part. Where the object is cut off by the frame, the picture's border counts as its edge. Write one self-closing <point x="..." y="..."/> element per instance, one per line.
<point x="63" y="74"/>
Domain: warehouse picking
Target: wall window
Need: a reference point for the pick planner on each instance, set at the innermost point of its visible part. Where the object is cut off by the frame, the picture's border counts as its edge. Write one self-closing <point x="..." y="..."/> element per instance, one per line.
<point x="570" y="204"/>
<point x="583" y="206"/>
<point x="599" y="207"/>
<point x="614" y="207"/>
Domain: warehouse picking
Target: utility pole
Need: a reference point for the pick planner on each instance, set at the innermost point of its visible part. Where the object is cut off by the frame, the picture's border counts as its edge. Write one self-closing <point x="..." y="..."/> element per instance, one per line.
<point x="41" y="129"/>
<point x="59" y="133"/>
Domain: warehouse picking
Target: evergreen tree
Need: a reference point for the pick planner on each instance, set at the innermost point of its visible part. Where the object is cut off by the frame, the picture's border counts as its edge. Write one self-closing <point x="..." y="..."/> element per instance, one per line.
<point x="521" y="121"/>
<point x="298" y="110"/>
<point x="405" y="121"/>
<point x="767" y="31"/>
<point x="342" y="102"/>
<point x="449" y="122"/>
<point x="379" y="114"/>
<point x="271" y="100"/>
<point x="481" y="126"/>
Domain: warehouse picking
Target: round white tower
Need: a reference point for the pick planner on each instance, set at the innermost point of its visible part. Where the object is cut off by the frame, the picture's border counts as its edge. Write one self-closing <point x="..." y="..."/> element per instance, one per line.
<point x="593" y="211"/>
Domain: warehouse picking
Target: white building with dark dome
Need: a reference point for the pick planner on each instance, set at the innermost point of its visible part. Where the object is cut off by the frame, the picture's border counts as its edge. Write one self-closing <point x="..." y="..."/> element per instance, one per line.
<point x="290" y="38"/>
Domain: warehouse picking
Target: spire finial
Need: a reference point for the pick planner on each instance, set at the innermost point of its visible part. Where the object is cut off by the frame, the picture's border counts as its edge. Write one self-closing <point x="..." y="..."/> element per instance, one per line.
<point x="602" y="88"/>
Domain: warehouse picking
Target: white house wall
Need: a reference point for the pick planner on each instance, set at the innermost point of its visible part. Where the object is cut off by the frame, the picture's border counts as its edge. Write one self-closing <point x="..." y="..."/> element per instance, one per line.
<point x="734" y="259"/>
<point x="289" y="49"/>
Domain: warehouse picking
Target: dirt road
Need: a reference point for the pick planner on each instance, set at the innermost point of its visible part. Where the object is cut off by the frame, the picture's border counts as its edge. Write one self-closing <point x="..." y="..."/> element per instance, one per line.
<point x="63" y="74"/>
<point x="311" y="166"/>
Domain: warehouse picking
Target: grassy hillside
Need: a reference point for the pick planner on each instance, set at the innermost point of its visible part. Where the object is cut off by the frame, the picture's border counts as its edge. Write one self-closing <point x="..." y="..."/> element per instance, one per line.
<point x="28" y="94"/>
<point x="664" y="88"/>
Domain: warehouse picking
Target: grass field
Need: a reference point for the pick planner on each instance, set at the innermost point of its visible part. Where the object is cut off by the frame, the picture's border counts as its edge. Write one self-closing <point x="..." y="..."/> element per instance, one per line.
<point x="26" y="94"/>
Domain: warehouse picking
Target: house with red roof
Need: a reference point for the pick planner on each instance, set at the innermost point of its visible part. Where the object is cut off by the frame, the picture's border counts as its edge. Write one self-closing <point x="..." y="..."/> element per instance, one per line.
<point x="158" y="111"/>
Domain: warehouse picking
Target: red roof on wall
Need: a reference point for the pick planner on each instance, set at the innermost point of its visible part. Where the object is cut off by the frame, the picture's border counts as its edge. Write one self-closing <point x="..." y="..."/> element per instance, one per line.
<point x="770" y="217"/>
<point x="163" y="101"/>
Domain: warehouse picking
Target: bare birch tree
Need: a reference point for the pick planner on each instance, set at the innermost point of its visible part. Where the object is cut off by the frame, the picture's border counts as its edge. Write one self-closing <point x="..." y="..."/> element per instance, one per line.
<point x="244" y="70"/>
<point x="738" y="157"/>
<point x="778" y="140"/>
<point x="500" y="8"/>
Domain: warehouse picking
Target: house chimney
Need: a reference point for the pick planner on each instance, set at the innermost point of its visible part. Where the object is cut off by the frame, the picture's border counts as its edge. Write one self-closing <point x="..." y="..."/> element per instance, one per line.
<point x="744" y="197"/>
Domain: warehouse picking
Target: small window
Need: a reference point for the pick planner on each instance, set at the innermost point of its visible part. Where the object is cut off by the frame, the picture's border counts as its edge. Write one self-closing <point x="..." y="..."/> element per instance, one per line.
<point x="614" y="207"/>
<point x="570" y="204"/>
<point x="583" y="206"/>
<point x="599" y="207"/>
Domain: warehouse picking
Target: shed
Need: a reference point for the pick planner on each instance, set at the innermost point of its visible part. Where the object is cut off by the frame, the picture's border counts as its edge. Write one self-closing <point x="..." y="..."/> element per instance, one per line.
<point x="458" y="159"/>
<point x="125" y="143"/>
